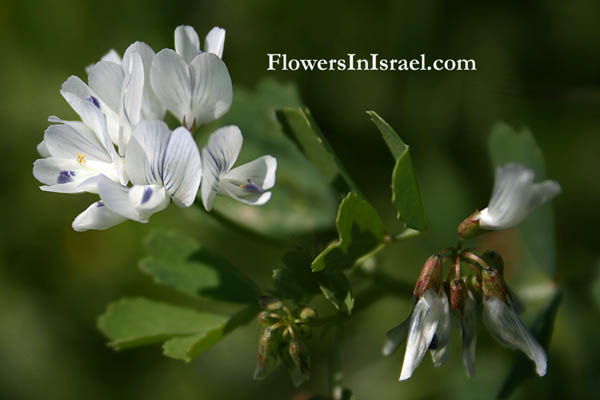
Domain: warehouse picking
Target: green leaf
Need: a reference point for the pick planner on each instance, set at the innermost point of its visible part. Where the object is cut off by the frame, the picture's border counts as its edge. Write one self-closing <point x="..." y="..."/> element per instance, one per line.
<point x="300" y="126"/>
<point x="360" y="232"/>
<point x="188" y="348"/>
<point x="336" y="288"/>
<point x="135" y="322"/>
<point x="296" y="280"/>
<point x="406" y="194"/>
<point x="538" y="230"/>
<point x="542" y="332"/>
<point x="180" y="263"/>
<point x="186" y="333"/>
<point x="302" y="200"/>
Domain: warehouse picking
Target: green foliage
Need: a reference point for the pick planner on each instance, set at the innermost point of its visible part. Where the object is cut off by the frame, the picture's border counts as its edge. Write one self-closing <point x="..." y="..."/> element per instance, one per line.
<point x="296" y="281"/>
<point x="542" y="331"/>
<point x="301" y="128"/>
<point x="185" y="332"/>
<point x="178" y="262"/>
<point x="303" y="200"/>
<point x="360" y="232"/>
<point x="406" y="194"/>
<point x="538" y="230"/>
<point x="336" y="288"/>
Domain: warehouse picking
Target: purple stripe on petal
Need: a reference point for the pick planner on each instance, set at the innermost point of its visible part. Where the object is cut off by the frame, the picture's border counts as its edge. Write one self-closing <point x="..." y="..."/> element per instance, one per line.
<point x="99" y="204"/>
<point x="147" y="194"/>
<point x="65" y="177"/>
<point x="252" y="187"/>
<point x="95" y="101"/>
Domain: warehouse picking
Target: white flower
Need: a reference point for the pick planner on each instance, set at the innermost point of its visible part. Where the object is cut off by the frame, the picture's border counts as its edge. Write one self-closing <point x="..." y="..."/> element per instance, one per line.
<point x="505" y="325"/>
<point x="514" y="196"/>
<point x="429" y="327"/>
<point x="78" y="151"/>
<point x="193" y="85"/>
<point x="468" y="324"/>
<point x="248" y="183"/>
<point x="161" y="166"/>
<point x="121" y="90"/>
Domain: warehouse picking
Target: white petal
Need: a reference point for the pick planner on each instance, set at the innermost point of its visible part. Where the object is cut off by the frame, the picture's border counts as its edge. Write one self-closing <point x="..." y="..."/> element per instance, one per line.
<point x="68" y="176"/>
<point x="182" y="168"/>
<point x="148" y="199"/>
<point x="151" y="106"/>
<point x="76" y="86"/>
<point x="261" y="172"/>
<point x="131" y="100"/>
<point x="395" y="336"/>
<point x="212" y="92"/>
<point x="440" y="356"/>
<point x="116" y="198"/>
<point x="172" y="84"/>
<point x="508" y="329"/>
<point x="146" y="152"/>
<point x="91" y="116"/>
<point x="219" y="155"/>
<point x="187" y="43"/>
<point x="215" y="41"/>
<point x="468" y="323"/>
<point x="106" y="80"/>
<point x="98" y="217"/>
<point x="251" y="197"/>
<point x="111" y="56"/>
<point x="423" y="324"/>
<point x="514" y="196"/>
<point x="42" y="149"/>
<point x="74" y="141"/>
<point x="444" y="330"/>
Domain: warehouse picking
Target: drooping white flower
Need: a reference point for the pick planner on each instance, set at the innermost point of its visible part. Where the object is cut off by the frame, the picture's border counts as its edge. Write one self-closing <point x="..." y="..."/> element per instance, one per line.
<point x="429" y="327"/>
<point x="468" y="325"/>
<point x="514" y="196"/>
<point x="77" y="151"/>
<point x="161" y="165"/>
<point x="193" y="85"/>
<point x="503" y="322"/>
<point x="248" y="183"/>
<point x="507" y="328"/>
<point x="122" y="91"/>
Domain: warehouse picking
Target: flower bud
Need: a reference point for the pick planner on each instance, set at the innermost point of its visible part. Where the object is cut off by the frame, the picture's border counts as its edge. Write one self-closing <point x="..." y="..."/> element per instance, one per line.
<point x="297" y="358"/>
<point x="458" y="295"/>
<point x="307" y="314"/>
<point x="493" y="259"/>
<point x="266" y="319"/>
<point x="268" y="349"/>
<point x="270" y="303"/>
<point x="430" y="277"/>
<point x="493" y="284"/>
<point x="474" y="284"/>
<point x="470" y="226"/>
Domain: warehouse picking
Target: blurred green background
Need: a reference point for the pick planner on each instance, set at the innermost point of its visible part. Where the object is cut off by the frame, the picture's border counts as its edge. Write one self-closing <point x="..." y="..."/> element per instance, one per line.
<point x="538" y="66"/>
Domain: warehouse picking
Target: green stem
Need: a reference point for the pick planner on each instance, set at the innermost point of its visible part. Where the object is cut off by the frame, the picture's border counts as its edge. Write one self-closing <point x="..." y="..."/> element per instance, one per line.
<point x="244" y="230"/>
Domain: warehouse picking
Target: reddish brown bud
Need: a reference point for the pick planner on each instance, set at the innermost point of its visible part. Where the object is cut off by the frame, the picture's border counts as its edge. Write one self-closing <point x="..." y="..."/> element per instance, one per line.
<point x="493" y="284"/>
<point x="493" y="259"/>
<point x="430" y="277"/>
<point x="458" y="295"/>
<point x="470" y="226"/>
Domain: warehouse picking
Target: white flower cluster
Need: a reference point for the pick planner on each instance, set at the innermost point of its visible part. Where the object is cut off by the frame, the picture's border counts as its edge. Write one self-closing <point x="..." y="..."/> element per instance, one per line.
<point x="123" y="151"/>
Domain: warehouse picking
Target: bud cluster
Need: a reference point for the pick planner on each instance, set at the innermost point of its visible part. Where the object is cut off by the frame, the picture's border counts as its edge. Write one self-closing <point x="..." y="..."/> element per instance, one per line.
<point x="281" y="341"/>
<point x="461" y="298"/>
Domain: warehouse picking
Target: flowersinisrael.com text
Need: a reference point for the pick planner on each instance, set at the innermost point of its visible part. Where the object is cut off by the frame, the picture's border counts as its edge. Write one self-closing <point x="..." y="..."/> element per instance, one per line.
<point x="281" y="62"/>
